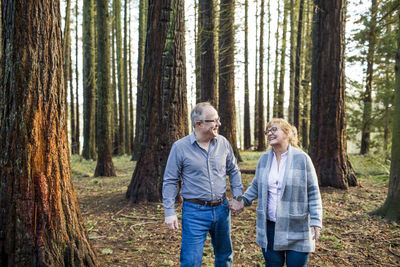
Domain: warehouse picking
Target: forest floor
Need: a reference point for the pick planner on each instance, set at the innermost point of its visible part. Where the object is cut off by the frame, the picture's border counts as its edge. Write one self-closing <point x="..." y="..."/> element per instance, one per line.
<point x="125" y="234"/>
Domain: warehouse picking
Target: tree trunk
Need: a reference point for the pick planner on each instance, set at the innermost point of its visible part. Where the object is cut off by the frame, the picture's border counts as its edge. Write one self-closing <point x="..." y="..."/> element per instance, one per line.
<point x="391" y="208"/>
<point x="114" y="115"/>
<point x="246" y="126"/>
<point x="197" y="51"/>
<point x="281" y="91"/>
<point x="120" y="77"/>
<point x="40" y="219"/>
<point x="328" y="128"/>
<point x="208" y="73"/>
<point x="296" y="100"/>
<point x="131" y="112"/>
<point x="72" y="102"/>
<point x="367" y="112"/>
<point x="293" y="47"/>
<point x="276" y="93"/>
<point x="89" y="84"/>
<point x="256" y="84"/>
<point x="140" y="116"/>
<point x="260" y="115"/>
<point x="105" y="166"/>
<point x="268" y="62"/>
<point x="77" y="129"/>
<point x="126" y="89"/>
<point x="226" y="86"/>
<point x="164" y="86"/>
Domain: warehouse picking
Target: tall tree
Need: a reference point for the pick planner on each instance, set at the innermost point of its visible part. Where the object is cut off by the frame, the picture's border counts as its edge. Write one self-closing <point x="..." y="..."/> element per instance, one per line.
<point x="296" y="99"/>
<point x="140" y="116"/>
<point x="391" y="207"/>
<point x="114" y="115"/>
<point x="120" y="78"/>
<point x="197" y="63"/>
<point x="276" y="70"/>
<point x="89" y="82"/>
<point x="72" y="103"/>
<point x="246" y="128"/>
<point x="292" y="63"/>
<point x="126" y="88"/>
<point x="208" y="43"/>
<point x="260" y="117"/>
<point x="77" y="129"/>
<point x="208" y="70"/>
<point x="226" y="86"/>
<point x="105" y="166"/>
<point x="282" y="68"/>
<point x="164" y="89"/>
<point x="328" y="128"/>
<point x="40" y="221"/>
<point x="131" y="114"/>
<point x="268" y="61"/>
<point x="256" y="135"/>
<point x="367" y="97"/>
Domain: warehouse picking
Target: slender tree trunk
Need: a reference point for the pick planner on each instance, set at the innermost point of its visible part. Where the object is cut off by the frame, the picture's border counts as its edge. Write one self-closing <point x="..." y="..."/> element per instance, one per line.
<point x="72" y="102"/>
<point x="77" y="130"/>
<point x="296" y="100"/>
<point x="292" y="63"/>
<point x="89" y="84"/>
<point x="256" y="84"/>
<point x="120" y="77"/>
<point x="246" y="127"/>
<point x="105" y="166"/>
<point x="197" y="51"/>
<point x="261" y="120"/>
<point x="208" y="73"/>
<point x="367" y="112"/>
<point x="140" y="116"/>
<point x="164" y="85"/>
<point x="268" y="62"/>
<point x="131" y="112"/>
<point x="391" y="208"/>
<point x="40" y="219"/>
<point x="281" y="91"/>
<point x="114" y="115"/>
<point x="276" y="93"/>
<point x="126" y="89"/>
<point x="226" y="86"/>
<point x="328" y="128"/>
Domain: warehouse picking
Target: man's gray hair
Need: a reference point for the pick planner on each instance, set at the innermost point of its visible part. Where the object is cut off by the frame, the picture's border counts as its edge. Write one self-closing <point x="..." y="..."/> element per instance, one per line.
<point x="197" y="112"/>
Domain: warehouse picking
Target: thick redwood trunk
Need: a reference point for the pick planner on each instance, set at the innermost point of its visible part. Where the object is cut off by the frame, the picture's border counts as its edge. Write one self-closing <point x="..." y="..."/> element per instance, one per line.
<point x="164" y="98"/>
<point x="328" y="128"/>
<point x="40" y="220"/>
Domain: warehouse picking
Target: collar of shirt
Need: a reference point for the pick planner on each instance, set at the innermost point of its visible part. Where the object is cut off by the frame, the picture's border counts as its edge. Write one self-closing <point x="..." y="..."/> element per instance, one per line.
<point x="193" y="139"/>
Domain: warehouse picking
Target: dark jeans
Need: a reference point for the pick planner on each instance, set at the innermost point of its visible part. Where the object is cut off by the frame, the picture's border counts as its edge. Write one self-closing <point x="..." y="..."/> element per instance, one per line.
<point x="275" y="258"/>
<point x="197" y="221"/>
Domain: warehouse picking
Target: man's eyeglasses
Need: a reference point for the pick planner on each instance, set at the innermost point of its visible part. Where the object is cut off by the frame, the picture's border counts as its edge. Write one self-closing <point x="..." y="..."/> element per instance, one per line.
<point x="215" y="120"/>
<point x="272" y="130"/>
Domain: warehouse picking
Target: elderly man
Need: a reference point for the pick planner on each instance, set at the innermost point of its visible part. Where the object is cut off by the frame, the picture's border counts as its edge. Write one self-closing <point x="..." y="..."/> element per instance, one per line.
<point x="202" y="159"/>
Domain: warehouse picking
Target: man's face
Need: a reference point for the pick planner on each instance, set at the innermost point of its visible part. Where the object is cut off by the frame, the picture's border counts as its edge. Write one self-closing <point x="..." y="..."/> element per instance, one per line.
<point x="209" y="128"/>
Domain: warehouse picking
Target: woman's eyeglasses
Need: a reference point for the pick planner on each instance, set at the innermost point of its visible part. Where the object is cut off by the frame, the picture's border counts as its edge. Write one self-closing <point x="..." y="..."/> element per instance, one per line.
<point x="272" y="130"/>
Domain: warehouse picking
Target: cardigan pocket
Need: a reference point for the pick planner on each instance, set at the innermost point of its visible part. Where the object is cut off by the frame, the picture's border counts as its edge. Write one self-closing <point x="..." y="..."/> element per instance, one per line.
<point x="298" y="226"/>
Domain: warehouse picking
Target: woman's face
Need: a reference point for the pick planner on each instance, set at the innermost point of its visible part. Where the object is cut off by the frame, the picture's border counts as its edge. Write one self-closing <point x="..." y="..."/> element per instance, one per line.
<point x="276" y="136"/>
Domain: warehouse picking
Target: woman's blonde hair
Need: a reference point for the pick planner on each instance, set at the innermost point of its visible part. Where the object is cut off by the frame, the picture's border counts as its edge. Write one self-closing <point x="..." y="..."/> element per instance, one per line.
<point x="287" y="128"/>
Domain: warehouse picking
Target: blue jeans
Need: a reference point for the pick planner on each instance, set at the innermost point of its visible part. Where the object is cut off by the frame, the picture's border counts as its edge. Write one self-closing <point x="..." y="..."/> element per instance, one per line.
<point x="197" y="221"/>
<point x="275" y="258"/>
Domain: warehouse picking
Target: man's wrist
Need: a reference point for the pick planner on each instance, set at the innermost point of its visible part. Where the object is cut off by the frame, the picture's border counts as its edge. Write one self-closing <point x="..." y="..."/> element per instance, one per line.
<point x="238" y="198"/>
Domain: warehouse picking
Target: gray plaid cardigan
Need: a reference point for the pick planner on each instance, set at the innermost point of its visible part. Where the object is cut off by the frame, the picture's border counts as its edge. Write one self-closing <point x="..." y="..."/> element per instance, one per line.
<point x="299" y="207"/>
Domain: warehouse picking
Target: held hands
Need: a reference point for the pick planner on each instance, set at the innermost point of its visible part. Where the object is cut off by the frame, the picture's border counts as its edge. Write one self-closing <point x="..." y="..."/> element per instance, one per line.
<point x="236" y="206"/>
<point x="315" y="230"/>
<point x="172" y="222"/>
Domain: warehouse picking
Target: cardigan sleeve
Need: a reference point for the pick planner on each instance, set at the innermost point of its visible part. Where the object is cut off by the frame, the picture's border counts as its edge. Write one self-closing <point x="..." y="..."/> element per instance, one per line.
<point x="252" y="192"/>
<point x="314" y="196"/>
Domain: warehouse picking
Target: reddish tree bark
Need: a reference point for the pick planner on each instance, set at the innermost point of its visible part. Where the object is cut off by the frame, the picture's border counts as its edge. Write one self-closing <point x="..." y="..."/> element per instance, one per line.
<point x="328" y="128"/>
<point x="163" y="97"/>
<point x="40" y="220"/>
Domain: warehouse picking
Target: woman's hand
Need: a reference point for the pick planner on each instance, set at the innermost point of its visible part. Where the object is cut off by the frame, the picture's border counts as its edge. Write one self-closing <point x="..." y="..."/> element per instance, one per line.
<point x="315" y="231"/>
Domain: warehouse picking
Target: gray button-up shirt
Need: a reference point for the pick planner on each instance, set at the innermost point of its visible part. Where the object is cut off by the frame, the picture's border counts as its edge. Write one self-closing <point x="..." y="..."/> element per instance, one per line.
<point x="203" y="173"/>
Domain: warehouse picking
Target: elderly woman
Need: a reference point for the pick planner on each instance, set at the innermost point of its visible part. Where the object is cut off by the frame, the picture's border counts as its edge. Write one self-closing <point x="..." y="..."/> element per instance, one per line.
<point x="289" y="211"/>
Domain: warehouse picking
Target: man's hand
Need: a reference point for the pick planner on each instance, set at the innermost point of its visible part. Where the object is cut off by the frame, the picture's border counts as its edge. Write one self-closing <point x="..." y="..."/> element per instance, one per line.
<point x="172" y="222"/>
<point x="236" y="207"/>
<point x="315" y="230"/>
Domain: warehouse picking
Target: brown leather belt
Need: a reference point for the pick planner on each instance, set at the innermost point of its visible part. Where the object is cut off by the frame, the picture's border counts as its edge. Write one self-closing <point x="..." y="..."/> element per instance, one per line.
<point x="206" y="203"/>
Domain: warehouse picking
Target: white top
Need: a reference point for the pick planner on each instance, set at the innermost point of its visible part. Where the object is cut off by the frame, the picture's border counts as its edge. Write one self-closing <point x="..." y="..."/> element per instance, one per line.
<point x="275" y="179"/>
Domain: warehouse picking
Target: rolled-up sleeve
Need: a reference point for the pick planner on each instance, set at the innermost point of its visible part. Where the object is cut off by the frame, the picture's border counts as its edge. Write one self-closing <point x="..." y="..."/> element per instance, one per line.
<point x="232" y="169"/>
<point x="172" y="175"/>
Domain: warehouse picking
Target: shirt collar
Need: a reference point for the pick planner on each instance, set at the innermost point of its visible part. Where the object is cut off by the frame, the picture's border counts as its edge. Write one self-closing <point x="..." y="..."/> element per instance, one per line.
<point x="193" y="139"/>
